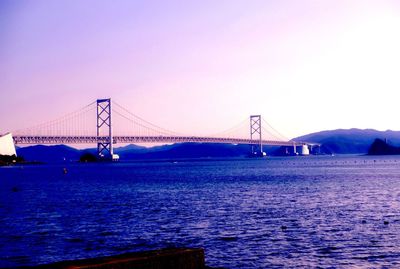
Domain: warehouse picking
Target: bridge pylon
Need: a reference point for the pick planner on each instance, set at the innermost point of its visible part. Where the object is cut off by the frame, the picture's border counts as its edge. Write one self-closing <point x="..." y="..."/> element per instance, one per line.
<point x="255" y="134"/>
<point x="104" y="129"/>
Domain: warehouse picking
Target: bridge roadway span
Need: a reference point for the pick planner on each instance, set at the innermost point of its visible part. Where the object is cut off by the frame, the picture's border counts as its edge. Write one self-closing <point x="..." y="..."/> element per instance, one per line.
<point x="19" y="139"/>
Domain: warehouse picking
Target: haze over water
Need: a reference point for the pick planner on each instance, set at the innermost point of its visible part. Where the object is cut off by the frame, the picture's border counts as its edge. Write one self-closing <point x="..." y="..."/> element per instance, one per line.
<point x="246" y="213"/>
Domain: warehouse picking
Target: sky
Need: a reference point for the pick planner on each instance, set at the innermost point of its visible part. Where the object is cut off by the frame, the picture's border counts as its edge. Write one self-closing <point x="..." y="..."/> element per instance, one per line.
<point x="203" y="66"/>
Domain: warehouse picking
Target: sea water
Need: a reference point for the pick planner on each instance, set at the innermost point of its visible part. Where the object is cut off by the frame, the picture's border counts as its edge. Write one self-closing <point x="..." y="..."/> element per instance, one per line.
<point x="340" y="211"/>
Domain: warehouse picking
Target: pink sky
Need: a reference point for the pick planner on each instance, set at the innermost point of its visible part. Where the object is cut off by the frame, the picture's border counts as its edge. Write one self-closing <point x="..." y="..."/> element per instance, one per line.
<point x="202" y="67"/>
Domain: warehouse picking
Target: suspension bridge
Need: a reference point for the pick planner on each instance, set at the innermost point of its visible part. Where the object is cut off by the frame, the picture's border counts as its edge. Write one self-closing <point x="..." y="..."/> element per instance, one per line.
<point x="105" y="123"/>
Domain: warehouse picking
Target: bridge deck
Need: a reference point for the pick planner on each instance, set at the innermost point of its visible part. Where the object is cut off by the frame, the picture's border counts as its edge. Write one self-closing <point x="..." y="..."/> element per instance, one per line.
<point x="20" y="139"/>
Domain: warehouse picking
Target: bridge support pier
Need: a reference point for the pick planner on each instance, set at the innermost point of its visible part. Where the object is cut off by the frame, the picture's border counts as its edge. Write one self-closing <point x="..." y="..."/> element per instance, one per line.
<point x="104" y="129"/>
<point x="255" y="131"/>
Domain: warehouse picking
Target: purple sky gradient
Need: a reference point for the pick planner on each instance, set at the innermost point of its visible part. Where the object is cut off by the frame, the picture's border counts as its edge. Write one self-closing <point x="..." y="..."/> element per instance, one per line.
<point x="202" y="67"/>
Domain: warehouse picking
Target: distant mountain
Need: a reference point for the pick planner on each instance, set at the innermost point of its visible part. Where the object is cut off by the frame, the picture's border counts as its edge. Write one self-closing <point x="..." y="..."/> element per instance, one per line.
<point x="62" y="153"/>
<point x="186" y="150"/>
<point x="350" y="141"/>
<point x="130" y="148"/>
<point x="41" y="153"/>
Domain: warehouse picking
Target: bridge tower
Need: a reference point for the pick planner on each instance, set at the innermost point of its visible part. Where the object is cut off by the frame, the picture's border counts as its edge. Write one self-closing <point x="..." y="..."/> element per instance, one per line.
<point x="104" y="129"/>
<point x="255" y="131"/>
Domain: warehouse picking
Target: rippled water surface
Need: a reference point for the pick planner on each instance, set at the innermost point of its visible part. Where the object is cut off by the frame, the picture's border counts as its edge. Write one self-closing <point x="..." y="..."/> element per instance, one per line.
<point x="275" y="212"/>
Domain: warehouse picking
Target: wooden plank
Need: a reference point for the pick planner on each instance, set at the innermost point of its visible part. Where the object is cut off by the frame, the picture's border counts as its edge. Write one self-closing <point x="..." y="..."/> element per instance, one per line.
<point x="177" y="258"/>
